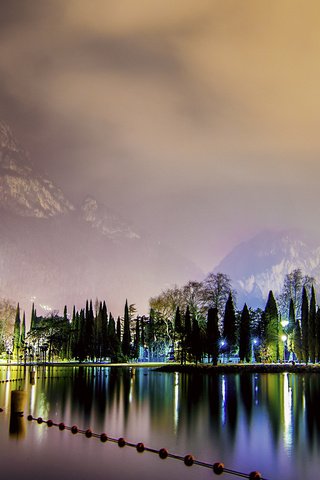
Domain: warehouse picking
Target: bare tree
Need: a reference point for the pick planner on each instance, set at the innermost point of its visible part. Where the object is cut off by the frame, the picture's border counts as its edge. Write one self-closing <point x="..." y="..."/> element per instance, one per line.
<point x="216" y="290"/>
<point x="292" y="289"/>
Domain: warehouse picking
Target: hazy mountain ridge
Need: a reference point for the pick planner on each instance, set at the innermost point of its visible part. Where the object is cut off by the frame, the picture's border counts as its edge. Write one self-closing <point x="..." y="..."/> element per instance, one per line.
<point x="63" y="254"/>
<point x="261" y="263"/>
<point x="105" y="221"/>
<point x="22" y="191"/>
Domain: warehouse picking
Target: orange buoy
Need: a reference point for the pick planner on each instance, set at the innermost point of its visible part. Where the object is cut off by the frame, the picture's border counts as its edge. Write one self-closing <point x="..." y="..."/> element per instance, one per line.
<point x="218" y="468"/>
<point x="255" y="476"/>
<point x="140" y="447"/>
<point x="163" y="453"/>
<point x="103" y="437"/>
<point x="49" y="423"/>
<point x="62" y="426"/>
<point x="74" y="429"/>
<point x="121" y="442"/>
<point x="88" y="433"/>
<point x="189" y="460"/>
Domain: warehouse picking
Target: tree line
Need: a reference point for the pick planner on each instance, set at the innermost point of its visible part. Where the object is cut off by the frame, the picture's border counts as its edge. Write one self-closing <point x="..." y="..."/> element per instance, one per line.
<point x="197" y="322"/>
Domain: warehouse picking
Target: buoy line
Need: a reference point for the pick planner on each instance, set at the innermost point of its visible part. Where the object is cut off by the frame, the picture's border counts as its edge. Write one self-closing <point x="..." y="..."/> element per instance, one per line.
<point x="218" y="467"/>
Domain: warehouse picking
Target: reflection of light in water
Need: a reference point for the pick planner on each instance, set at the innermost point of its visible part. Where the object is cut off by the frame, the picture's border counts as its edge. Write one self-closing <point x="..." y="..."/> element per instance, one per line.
<point x="223" y="403"/>
<point x="7" y="389"/>
<point x="32" y="399"/>
<point x="176" y="401"/>
<point x="287" y="412"/>
<point x="256" y="390"/>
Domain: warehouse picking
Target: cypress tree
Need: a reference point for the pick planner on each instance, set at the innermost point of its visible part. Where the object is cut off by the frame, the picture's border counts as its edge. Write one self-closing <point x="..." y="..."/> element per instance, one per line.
<point x="305" y="325"/>
<point x="187" y="329"/>
<point x="23" y="334"/>
<point x="229" y="325"/>
<point x="33" y="318"/>
<point x="126" y="339"/>
<point x="244" y="335"/>
<point x="298" y="350"/>
<point x="119" y="329"/>
<point x="16" y="333"/>
<point x="98" y="346"/>
<point x="318" y="335"/>
<point x="89" y="329"/>
<point x="137" y="339"/>
<point x="312" y="326"/>
<point x="81" y="350"/>
<point x="271" y="328"/>
<point x="118" y="335"/>
<point x="196" y="341"/>
<point x="23" y="328"/>
<point x="213" y="335"/>
<point x="74" y="334"/>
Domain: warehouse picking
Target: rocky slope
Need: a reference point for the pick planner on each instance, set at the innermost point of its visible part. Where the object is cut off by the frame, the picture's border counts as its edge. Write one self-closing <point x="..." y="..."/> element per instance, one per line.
<point x="62" y="254"/>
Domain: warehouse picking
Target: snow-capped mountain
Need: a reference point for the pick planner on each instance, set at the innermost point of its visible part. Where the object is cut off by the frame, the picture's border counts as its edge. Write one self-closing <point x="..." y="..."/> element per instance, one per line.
<point x="58" y="253"/>
<point x="261" y="263"/>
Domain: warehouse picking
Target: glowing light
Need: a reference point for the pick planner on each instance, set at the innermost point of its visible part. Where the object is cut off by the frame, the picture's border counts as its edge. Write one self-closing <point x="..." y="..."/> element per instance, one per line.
<point x="223" y="403"/>
<point x="284" y="338"/>
<point x="287" y="412"/>
<point x="284" y="323"/>
<point x="176" y="400"/>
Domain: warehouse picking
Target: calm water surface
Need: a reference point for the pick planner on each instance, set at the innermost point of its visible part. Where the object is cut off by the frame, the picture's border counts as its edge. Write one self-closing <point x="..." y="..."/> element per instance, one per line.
<point x="266" y="422"/>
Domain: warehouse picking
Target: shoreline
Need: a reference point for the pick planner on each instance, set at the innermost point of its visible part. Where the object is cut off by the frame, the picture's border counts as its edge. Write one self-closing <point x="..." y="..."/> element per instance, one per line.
<point x="202" y="368"/>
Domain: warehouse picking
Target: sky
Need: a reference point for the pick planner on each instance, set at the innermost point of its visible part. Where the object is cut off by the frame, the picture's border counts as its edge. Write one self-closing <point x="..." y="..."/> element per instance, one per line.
<point x="198" y="121"/>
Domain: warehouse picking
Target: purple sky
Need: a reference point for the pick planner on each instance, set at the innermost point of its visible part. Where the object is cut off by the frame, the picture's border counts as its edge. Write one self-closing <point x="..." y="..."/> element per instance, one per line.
<point x="195" y="120"/>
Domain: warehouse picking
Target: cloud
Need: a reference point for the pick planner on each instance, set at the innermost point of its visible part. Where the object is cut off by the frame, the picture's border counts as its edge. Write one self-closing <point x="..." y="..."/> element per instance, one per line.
<point x="170" y="103"/>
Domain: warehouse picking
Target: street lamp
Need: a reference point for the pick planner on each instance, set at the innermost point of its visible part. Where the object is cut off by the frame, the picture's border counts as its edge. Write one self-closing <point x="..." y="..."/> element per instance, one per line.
<point x="253" y="344"/>
<point x="284" y="339"/>
<point x="222" y="344"/>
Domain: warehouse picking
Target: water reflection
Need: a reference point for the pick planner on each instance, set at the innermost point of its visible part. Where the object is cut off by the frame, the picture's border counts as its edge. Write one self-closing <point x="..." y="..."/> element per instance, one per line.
<point x="17" y="426"/>
<point x="217" y="415"/>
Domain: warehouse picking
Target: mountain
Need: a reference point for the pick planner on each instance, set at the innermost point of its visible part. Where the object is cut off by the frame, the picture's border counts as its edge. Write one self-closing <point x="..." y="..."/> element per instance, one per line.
<point x="22" y="191"/>
<point x="59" y="253"/>
<point x="260" y="264"/>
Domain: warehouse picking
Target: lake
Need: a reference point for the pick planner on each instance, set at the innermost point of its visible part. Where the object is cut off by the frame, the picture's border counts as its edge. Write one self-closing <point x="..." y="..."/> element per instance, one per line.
<point x="265" y="422"/>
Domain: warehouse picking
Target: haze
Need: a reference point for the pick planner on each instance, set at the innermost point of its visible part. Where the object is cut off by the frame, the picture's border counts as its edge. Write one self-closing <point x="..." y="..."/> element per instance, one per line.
<point x="196" y="120"/>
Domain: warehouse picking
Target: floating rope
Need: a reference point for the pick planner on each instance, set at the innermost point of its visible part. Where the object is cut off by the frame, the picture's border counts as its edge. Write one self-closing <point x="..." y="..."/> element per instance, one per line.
<point x="12" y="380"/>
<point x="189" y="460"/>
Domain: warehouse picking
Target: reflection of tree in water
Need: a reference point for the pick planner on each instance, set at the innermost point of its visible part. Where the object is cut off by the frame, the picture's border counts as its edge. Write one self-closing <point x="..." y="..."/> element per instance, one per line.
<point x="214" y="404"/>
<point x="274" y="402"/>
<point x="100" y="392"/>
<point x="312" y="395"/>
<point x="298" y="404"/>
<point x="231" y="404"/>
<point x="128" y="379"/>
<point x="55" y="383"/>
<point x="192" y="393"/>
<point x="246" y="392"/>
<point x="82" y="392"/>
